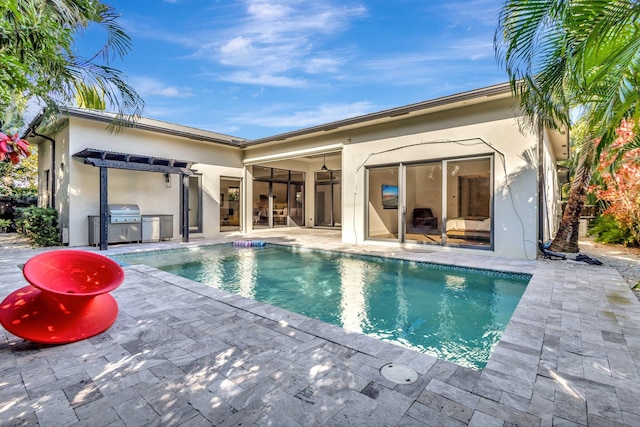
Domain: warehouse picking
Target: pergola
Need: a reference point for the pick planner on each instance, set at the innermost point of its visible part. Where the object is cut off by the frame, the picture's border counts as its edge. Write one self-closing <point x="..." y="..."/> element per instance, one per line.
<point x="113" y="160"/>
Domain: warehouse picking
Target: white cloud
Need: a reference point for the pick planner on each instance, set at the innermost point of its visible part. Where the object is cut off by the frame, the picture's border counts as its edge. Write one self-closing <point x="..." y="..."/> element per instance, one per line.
<point x="322" y="65"/>
<point x="281" y="37"/>
<point x="269" y="40"/>
<point x="325" y="113"/>
<point x="261" y="79"/>
<point x="471" y="12"/>
<point x="473" y="48"/>
<point x="239" y="47"/>
<point x="267" y="10"/>
<point x="440" y="59"/>
<point x="148" y="86"/>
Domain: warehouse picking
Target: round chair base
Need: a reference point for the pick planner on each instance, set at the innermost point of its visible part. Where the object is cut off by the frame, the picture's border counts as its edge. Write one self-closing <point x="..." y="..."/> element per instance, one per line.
<point x="44" y="318"/>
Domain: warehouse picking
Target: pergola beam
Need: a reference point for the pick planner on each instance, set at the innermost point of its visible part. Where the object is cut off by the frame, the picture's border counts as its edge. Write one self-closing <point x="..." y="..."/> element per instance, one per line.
<point x="113" y="160"/>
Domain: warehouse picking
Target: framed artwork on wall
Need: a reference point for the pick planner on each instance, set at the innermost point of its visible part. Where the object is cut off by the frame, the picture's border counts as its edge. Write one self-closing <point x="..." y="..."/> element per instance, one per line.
<point x="389" y="196"/>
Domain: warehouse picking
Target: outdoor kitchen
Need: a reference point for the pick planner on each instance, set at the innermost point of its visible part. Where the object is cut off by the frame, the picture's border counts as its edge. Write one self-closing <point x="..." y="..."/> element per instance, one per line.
<point x="126" y="224"/>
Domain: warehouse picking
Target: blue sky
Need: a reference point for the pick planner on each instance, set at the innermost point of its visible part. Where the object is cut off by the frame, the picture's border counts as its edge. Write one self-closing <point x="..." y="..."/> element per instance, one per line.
<point x="255" y="68"/>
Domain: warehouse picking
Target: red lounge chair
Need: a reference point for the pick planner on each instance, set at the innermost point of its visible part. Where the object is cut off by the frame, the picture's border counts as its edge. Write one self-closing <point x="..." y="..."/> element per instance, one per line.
<point x="68" y="299"/>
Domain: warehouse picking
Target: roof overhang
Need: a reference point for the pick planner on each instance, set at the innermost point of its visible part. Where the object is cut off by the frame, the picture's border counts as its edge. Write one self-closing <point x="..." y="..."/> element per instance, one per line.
<point x="559" y="143"/>
<point x="115" y="160"/>
<point x="143" y="123"/>
<point x="463" y="99"/>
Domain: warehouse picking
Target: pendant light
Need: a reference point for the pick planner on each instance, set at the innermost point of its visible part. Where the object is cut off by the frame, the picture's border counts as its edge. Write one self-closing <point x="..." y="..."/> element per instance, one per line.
<point x="324" y="167"/>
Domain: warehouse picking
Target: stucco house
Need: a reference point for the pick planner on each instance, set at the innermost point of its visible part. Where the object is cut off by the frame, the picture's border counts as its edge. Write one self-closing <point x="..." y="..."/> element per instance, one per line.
<point x="456" y="173"/>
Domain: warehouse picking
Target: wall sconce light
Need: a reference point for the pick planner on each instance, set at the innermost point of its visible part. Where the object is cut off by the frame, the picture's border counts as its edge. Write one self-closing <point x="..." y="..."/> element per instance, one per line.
<point x="167" y="180"/>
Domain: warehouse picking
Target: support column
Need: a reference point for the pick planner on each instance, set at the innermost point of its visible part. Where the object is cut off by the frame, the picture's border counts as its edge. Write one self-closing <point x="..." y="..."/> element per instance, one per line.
<point x="104" y="210"/>
<point x="185" y="208"/>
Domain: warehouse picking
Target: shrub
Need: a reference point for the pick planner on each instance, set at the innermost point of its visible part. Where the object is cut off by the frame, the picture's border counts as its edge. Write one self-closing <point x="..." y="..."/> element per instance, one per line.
<point x="5" y="224"/>
<point x="40" y="225"/>
<point x="619" y="187"/>
<point x="608" y="229"/>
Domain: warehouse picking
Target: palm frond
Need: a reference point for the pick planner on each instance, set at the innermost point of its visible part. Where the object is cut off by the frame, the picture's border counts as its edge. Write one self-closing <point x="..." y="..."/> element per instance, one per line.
<point x="118" y="93"/>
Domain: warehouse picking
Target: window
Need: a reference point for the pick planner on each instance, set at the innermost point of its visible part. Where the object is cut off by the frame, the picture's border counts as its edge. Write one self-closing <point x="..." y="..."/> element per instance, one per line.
<point x="278" y="197"/>
<point x="445" y="202"/>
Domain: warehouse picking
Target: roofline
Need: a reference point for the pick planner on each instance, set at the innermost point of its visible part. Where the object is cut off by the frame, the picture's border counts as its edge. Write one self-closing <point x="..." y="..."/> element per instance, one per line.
<point x="499" y="89"/>
<point x="105" y="117"/>
<point x="424" y="107"/>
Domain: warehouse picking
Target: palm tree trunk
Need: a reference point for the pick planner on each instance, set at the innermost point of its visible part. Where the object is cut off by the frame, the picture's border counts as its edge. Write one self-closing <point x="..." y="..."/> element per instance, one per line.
<point x="566" y="239"/>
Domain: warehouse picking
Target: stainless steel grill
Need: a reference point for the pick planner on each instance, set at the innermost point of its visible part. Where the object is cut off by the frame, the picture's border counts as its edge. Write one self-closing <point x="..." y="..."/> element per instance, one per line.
<point x="126" y="213"/>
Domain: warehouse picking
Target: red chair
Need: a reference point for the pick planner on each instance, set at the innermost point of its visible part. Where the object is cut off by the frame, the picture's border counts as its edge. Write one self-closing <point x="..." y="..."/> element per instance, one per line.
<point x="68" y="299"/>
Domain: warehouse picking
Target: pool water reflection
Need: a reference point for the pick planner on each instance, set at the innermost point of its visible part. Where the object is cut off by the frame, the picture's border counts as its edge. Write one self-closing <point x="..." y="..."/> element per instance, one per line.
<point x="456" y="314"/>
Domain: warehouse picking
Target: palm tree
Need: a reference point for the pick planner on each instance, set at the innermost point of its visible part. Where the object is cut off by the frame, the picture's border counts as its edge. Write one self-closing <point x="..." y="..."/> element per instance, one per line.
<point x="38" y="60"/>
<point x="584" y="161"/>
<point x="90" y="97"/>
<point x="560" y="55"/>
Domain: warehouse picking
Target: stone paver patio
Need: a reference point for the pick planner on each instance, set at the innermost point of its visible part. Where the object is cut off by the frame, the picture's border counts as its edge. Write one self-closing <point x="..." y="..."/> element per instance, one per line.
<point x="183" y="353"/>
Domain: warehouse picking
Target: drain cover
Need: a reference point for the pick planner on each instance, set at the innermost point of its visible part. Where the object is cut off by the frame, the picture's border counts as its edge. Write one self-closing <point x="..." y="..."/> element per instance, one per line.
<point x="399" y="374"/>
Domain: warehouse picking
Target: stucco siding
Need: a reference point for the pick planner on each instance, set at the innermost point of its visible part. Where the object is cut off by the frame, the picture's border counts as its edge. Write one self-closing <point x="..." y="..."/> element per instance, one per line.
<point x="490" y="130"/>
<point x="551" y="198"/>
<point x="147" y="189"/>
<point x="504" y="176"/>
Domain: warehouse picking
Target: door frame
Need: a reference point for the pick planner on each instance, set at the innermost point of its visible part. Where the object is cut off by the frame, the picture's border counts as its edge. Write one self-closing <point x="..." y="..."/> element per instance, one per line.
<point x="197" y="228"/>
<point x="331" y="184"/>
<point x="239" y="201"/>
<point x="401" y="168"/>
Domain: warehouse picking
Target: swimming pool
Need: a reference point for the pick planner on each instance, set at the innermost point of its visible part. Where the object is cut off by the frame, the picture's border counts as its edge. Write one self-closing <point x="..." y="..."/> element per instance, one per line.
<point x="456" y="314"/>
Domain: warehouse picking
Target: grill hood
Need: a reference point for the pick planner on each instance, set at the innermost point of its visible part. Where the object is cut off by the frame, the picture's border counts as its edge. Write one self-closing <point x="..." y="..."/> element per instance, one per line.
<point x="124" y="213"/>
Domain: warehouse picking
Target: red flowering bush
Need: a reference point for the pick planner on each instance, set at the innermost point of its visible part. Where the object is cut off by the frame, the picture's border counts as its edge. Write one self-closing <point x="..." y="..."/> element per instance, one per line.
<point x="12" y="147"/>
<point x="621" y="189"/>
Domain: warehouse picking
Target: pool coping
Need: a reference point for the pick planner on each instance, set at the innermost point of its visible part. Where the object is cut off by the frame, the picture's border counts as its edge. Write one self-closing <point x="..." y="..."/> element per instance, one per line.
<point x="286" y="315"/>
<point x="569" y="355"/>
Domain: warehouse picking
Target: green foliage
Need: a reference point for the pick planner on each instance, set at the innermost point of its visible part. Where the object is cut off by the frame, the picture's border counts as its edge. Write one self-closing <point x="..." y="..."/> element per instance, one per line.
<point x="567" y="57"/>
<point x="608" y="230"/>
<point x="90" y="97"/>
<point x="4" y="224"/>
<point x="563" y="54"/>
<point x="40" y="225"/>
<point x="21" y="180"/>
<point x="39" y="60"/>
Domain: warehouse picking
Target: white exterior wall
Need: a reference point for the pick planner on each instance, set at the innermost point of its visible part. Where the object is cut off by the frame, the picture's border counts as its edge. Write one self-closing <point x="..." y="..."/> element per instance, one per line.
<point x="515" y="199"/>
<point x="551" y="197"/>
<point x="432" y="137"/>
<point x="147" y="189"/>
<point x="57" y="176"/>
<point x="487" y="129"/>
<point x="44" y="164"/>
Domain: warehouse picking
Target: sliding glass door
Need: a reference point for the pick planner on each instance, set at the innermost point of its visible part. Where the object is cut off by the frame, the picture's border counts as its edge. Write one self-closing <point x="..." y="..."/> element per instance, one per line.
<point x="423" y="221"/>
<point x="445" y="202"/>
<point x="261" y="204"/>
<point x="328" y="199"/>
<point x="278" y="197"/>
<point x="230" y="198"/>
<point x="382" y="208"/>
<point x="469" y="194"/>
<point x="296" y="204"/>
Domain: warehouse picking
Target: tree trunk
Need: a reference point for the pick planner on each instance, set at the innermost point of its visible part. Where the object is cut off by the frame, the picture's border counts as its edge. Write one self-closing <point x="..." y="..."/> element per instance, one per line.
<point x="566" y="239"/>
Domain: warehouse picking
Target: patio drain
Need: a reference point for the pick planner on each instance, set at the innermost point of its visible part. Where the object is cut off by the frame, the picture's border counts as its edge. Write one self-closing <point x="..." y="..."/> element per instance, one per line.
<point x="399" y="374"/>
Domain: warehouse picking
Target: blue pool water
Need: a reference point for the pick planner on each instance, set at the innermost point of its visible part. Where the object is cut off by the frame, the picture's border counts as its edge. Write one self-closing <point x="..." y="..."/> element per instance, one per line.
<point x="456" y="314"/>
